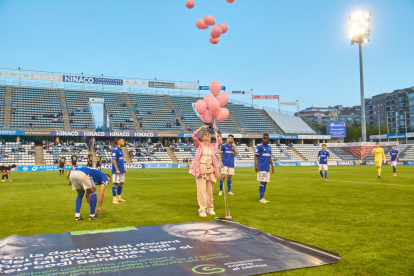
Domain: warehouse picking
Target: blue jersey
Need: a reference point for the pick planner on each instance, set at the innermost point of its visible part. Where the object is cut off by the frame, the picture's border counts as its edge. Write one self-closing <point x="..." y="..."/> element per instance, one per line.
<point x="394" y="154"/>
<point x="118" y="155"/>
<point x="97" y="176"/>
<point x="322" y="156"/>
<point x="264" y="153"/>
<point x="228" y="155"/>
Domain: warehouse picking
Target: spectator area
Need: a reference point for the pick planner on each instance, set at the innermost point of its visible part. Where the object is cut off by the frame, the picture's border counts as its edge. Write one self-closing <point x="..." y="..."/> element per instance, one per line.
<point x="290" y="124"/>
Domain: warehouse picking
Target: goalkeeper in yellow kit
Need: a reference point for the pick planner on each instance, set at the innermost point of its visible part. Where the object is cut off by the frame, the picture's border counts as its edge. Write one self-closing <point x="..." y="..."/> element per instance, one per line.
<point x="379" y="158"/>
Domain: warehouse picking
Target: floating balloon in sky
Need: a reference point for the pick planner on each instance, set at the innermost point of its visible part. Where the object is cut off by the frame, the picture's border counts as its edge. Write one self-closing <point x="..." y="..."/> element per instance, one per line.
<point x="208" y="98"/>
<point x="223" y="27"/>
<point x="209" y="20"/>
<point x="215" y="88"/>
<point x="223" y="114"/>
<point x="201" y="107"/>
<point x="201" y="25"/>
<point x="214" y="40"/>
<point x="190" y="4"/>
<point x="216" y="32"/>
<point x="230" y="1"/>
<point x="206" y="117"/>
<point x="214" y="107"/>
<point x="223" y="98"/>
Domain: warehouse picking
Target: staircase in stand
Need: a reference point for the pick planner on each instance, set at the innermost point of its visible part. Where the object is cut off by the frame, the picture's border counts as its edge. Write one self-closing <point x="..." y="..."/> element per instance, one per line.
<point x="131" y="110"/>
<point x="126" y="155"/>
<point x="298" y="153"/>
<point x="235" y="122"/>
<point x="272" y="121"/>
<point x="7" y="111"/>
<point x="177" y="116"/>
<point x="64" y="109"/>
<point x="172" y="155"/>
<point x="39" y="159"/>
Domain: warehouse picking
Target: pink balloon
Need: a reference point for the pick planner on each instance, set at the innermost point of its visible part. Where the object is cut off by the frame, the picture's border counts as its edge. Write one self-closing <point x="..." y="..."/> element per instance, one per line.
<point x="223" y="98"/>
<point x="190" y="4"/>
<point x="230" y="1"/>
<point x="223" y="27"/>
<point x="223" y="114"/>
<point x="206" y="117"/>
<point x="214" y="106"/>
<point x="201" y="25"/>
<point x="215" y="88"/>
<point x="208" y="98"/>
<point x="209" y="20"/>
<point x="216" y="32"/>
<point x="214" y="40"/>
<point x="201" y="106"/>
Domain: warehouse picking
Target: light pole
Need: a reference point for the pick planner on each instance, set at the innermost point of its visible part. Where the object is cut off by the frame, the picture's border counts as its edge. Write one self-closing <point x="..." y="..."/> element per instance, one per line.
<point x="360" y="34"/>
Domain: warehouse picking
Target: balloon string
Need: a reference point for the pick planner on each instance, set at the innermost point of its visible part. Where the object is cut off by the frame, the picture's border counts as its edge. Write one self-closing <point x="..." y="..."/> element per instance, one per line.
<point x="226" y="205"/>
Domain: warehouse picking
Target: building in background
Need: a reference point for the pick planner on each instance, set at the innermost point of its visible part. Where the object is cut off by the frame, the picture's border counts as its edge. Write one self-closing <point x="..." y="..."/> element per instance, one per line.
<point x="322" y="115"/>
<point x="397" y="107"/>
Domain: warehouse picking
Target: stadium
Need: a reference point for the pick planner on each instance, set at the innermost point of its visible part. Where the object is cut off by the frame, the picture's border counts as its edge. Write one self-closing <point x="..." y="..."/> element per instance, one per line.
<point x="57" y="127"/>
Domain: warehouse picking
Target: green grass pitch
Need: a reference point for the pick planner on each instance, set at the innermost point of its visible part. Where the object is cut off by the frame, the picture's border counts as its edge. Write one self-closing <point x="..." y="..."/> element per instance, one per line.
<point x="369" y="221"/>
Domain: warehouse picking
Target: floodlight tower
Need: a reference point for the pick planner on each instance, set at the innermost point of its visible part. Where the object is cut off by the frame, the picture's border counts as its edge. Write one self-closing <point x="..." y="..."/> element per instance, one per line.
<point x="360" y="33"/>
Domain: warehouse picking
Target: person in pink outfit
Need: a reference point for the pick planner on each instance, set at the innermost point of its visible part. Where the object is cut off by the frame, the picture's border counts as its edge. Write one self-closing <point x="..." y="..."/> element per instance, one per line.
<point x="205" y="169"/>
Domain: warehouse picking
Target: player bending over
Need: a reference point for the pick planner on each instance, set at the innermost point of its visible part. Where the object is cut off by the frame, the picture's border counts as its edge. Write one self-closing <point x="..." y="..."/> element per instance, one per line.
<point x="227" y="152"/>
<point x="118" y="170"/>
<point x="85" y="179"/>
<point x="323" y="157"/>
<point x="6" y="171"/>
<point x="379" y="158"/>
<point x="262" y="162"/>
<point x="394" y="159"/>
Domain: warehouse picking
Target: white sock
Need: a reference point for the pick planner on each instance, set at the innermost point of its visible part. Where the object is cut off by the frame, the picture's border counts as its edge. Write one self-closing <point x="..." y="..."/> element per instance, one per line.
<point x="119" y="196"/>
<point x="77" y="215"/>
<point x="114" y="197"/>
<point x="92" y="215"/>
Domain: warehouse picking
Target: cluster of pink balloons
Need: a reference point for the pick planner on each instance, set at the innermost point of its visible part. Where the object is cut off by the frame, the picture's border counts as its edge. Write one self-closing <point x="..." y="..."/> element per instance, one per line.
<point x="208" y="20"/>
<point x="214" y="104"/>
<point x="216" y="31"/>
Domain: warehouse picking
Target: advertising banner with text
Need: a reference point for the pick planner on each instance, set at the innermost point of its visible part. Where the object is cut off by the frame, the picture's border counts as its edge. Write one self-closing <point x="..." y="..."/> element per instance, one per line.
<point x="221" y="247"/>
<point x="265" y="97"/>
<point x="103" y="134"/>
<point x="92" y="80"/>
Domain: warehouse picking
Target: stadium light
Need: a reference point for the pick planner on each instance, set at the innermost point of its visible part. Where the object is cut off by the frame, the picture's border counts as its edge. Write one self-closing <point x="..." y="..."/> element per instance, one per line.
<point x="359" y="33"/>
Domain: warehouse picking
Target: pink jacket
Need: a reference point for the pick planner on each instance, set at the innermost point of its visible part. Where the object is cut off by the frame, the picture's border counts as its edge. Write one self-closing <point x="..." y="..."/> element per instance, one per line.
<point x="195" y="166"/>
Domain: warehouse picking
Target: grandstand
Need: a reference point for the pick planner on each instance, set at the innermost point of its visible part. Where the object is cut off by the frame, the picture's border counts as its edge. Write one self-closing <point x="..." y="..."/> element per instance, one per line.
<point x="17" y="153"/>
<point x="290" y="124"/>
<point x="154" y="112"/>
<point x="34" y="108"/>
<point x="251" y="119"/>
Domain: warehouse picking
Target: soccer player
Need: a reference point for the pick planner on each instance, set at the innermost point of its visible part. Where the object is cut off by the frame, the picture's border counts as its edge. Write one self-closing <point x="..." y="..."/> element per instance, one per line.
<point x="227" y="152"/>
<point x="394" y="159"/>
<point x="85" y="179"/>
<point x="262" y="162"/>
<point x="6" y="171"/>
<point x="98" y="161"/>
<point x="74" y="160"/>
<point x="379" y="158"/>
<point x="90" y="159"/>
<point x="118" y="170"/>
<point x="62" y="163"/>
<point x="323" y="157"/>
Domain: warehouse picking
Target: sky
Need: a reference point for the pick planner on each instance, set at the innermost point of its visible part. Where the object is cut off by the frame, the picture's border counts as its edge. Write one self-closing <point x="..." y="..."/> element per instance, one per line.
<point x="299" y="50"/>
